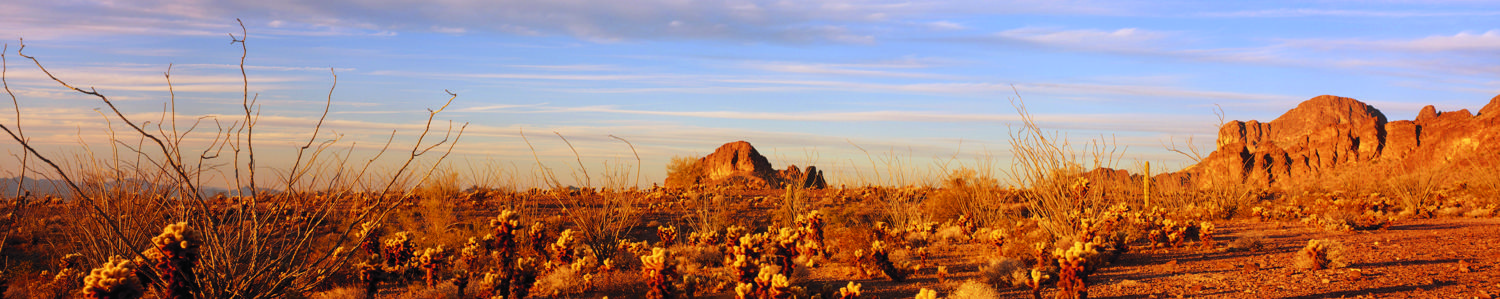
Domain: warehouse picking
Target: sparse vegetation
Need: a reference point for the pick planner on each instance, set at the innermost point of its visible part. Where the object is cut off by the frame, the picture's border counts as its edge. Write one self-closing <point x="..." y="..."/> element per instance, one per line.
<point x="1320" y="254"/>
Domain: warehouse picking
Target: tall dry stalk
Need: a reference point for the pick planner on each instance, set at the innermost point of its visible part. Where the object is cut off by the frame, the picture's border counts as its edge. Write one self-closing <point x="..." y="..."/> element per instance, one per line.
<point x="1050" y="171"/>
<point x="256" y="244"/>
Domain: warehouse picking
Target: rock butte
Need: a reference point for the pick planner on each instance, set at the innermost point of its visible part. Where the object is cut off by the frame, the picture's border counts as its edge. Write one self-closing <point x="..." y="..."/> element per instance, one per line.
<point x="1327" y="136"/>
<point x="739" y="164"/>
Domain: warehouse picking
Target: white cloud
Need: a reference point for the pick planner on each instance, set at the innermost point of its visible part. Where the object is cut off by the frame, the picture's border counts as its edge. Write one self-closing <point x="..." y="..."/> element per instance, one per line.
<point x="1488" y="41"/>
<point x="517" y="76"/>
<point x="775" y="21"/>
<point x="945" y="25"/>
<point x="1463" y="41"/>
<point x="1119" y="40"/>
<point x="878" y="69"/>
<point x="1312" y="12"/>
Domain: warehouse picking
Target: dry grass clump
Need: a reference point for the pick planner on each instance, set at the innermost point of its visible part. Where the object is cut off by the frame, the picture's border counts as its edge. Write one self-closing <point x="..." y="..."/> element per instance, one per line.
<point x="1004" y="272"/>
<point x="1248" y="243"/>
<point x="1320" y="254"/>
<point x="974" y="290"/>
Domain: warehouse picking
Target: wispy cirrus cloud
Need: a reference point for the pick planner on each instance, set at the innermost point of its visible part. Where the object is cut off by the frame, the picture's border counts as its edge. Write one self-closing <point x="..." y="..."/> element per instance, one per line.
<point x="876" y="69"/>
<point x="518" y="76"/>
<point x="1316" y="12"/>
<point x="1472" y="42"/>
<point x="1118" y="40"/>
<point x="1116" y="122"/>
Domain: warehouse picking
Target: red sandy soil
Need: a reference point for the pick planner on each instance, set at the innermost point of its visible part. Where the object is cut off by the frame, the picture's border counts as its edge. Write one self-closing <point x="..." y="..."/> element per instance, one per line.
<point x="1430" y="258"/>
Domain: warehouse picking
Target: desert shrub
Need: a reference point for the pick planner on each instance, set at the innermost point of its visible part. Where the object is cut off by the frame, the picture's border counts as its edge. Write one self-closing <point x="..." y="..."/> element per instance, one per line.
<point x="709" y="212"/>
<point x="1247" y="243"/>
<point x="1320" y="254"/>
<point x="1343" y="220"/>
<point x="684" y="172"/>
<point x="1416" y="192"/>
<point x="967" y="193"/>
<point x="258" y="241"/>
<point x="561" y="282"/>
<point x="340" y="293"/>
<point x="974" y="290"/>
<point x="1004" y="272"/>
<point x="1055" y="180"/>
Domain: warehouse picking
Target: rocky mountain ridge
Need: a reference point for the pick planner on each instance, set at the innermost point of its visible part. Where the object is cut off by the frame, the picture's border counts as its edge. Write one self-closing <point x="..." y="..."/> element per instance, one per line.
<point x="1328" y="134"/>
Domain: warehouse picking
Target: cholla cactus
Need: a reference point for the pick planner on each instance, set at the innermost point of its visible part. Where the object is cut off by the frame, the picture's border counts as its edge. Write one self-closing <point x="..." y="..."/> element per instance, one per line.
<point x="744" y="290"/>
<point x="966" y="223"/>
<point x="994" y="237"/>
<point x="704" y="238"/>
<point x="1173" y="231"/>
<point x="399" y="249"/>
<point x="369" y="234"/>
<point x="504" y="242"/>
<point x="538" y="235"/>
<point x="922" y="255"/>
<point x="1080" y="187"/>
<point x="461" y="280"/>
<point x="780" y="288"/>
<point x="173" y="257"/>
<point x="1073" y="270"/>
<point x="668" y="235"/>
<point x="783" y="250"/>
<point x="862" y="262"/>
<point x="744" y="268"/>
<point x="1206" y="233"/>
<point x="882" y="259"/>
<point x="432" y="260"/>
<point x="732" y="236"/>
<point x="660" y="273"/>
<point x="114" y="280"/>
<point x="1035" y="282"/>
<point x="371" y="276"/>
<point x="1319" y="254"/>
<point x="942" y="272"/>
<point x="812" y="233"/>
<point x="562" y="250"/>
<point x="490" y="285"/>
<point x="926" y="293"/>
<point x="849" y="292"/>
<point x="763" y="280"/>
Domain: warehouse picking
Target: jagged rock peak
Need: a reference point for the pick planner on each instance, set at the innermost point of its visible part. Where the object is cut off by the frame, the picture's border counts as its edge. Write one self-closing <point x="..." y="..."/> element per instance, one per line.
<point x="1490" y="110"/>
<point x="734" y="158"/>
<point x="739" y="164"/>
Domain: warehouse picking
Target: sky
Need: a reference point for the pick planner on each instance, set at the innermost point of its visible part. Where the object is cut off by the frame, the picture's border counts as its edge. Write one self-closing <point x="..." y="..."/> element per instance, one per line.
<point x="891" y="92"/>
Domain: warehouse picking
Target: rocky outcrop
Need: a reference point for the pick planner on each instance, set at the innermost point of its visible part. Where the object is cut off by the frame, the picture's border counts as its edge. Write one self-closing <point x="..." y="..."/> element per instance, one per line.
<point x="1327" y="134"/>
<point x="732" y="159"/>
<point x="739" y="164"/>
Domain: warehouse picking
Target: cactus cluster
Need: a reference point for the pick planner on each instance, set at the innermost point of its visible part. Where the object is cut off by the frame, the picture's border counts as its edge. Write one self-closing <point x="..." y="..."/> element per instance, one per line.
<point x="114" y="279"/>
<point x="174" y="255"/>
<point x="1073" y="270"/>
<point x="660" y="273"/>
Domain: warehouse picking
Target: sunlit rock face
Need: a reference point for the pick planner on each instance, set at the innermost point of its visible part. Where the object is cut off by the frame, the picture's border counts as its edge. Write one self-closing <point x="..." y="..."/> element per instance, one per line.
<point x="739" y="164"/>
<point x="1329" y="135"/>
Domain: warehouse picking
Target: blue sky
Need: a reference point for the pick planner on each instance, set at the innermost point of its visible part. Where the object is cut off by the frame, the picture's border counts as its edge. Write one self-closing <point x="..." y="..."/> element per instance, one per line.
<point x="805" y="81"/>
